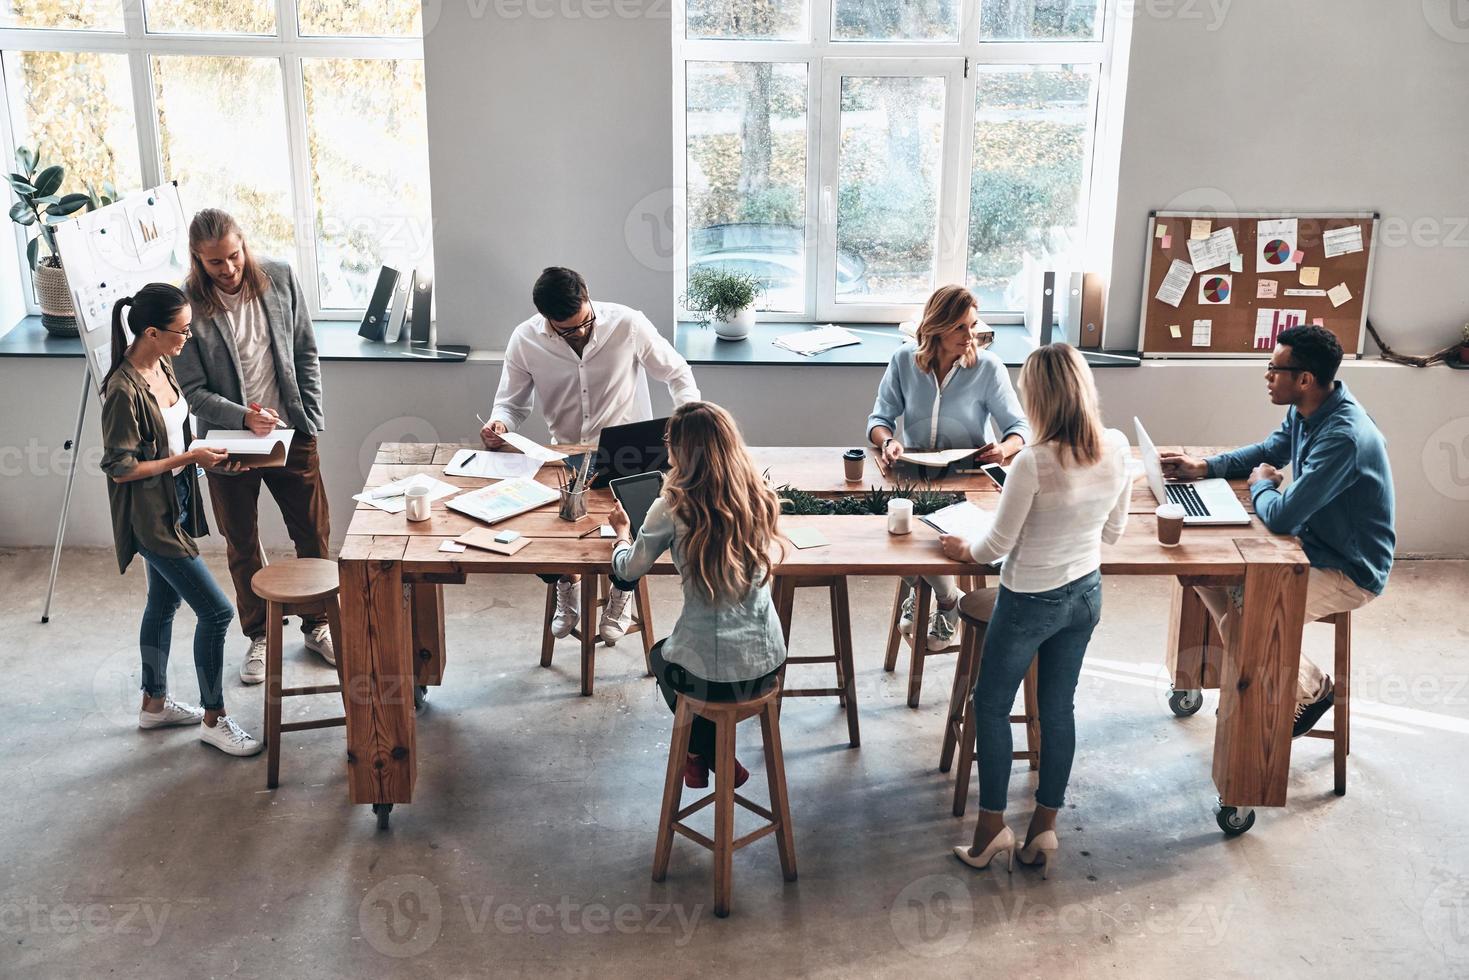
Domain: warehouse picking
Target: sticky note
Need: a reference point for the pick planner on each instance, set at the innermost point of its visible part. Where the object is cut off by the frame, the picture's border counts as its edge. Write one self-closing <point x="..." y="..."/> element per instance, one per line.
<point x="1297" y="257"/>
<point x="1317" y="322"/>
<point x="1175" y="331"/>
<point x="1339" y="294"/>
<point x="1310" y="275"/>
<point x="1266" y="288"/>
<point x="453" y="547"/>
<point x="1167" y="241"/>
<point x="1160" y="231"/>
<point x="1236" y="263"/>
<point x="1201" y="228"/>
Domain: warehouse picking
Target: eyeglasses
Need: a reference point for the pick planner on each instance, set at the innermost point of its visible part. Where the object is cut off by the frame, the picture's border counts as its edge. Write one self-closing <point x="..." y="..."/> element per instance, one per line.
<point x="1280" y="369"/>
<point x="185" y="333"/>
<point x="586" y="324"/>
<point x="983" y="340"/>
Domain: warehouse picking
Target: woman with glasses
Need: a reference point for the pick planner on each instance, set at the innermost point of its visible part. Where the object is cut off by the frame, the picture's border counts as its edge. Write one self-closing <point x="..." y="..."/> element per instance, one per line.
<point x="946" y="386"/>
<point x="153" y="493"/>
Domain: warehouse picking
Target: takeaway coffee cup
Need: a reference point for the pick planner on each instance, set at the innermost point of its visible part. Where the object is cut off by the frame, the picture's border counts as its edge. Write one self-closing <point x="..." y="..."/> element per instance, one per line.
<point x="853" y="460"/>
<point x="1170" y="524"/>
<point x="416" y="502"/>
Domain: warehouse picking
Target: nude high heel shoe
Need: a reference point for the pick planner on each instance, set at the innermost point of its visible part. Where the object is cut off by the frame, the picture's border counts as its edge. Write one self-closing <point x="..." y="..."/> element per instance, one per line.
<point x="1003" y="843"/>
<point x="1041" y="851"/>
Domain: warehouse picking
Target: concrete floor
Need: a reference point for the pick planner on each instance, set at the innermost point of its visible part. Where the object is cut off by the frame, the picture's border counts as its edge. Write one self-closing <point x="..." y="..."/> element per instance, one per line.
<point x="528" y="850"/>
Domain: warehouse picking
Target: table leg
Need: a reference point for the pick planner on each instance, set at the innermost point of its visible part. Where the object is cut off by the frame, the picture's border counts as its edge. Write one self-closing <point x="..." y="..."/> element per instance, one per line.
<point x="428" y="633"/>
<point x="588" y="632"/>
<point x="377" y="680"/>
<point x="1188" y="633"/>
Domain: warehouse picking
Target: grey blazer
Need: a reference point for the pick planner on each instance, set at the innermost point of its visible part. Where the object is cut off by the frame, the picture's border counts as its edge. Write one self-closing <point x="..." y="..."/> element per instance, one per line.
<point x="208" y="368"/>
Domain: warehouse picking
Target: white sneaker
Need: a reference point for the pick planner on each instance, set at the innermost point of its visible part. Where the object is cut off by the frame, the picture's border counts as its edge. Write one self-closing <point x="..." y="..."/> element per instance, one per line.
<point x="942" y="627"/>
<point x="905" y="622"/>
<point x="230" y="738"/>
<point x="319" y="638"/>
<point x="252" y="671"/>
<point x="616" y="616"/>
<point x="568" y="609"/>
<point x="173" y="713"/>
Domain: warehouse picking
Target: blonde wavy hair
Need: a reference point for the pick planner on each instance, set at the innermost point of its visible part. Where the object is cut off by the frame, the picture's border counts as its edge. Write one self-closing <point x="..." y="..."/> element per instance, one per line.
<point x="946" y="310"/>
<point x="719" y="496"/>
<point x="1060" y="398"/>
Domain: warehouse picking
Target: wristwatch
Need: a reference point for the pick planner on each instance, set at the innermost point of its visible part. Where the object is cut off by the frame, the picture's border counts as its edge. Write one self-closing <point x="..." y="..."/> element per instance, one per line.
<point x="884" y="446"/>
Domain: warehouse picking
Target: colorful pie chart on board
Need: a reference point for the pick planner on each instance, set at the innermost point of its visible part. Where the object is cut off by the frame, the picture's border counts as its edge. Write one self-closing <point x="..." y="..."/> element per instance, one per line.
<point x="1216" y="289"/>
<point x="1277" y="251"/>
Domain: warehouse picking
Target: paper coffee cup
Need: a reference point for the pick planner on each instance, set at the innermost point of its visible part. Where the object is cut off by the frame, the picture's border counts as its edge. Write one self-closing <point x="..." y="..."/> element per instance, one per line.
<point x="1170" y="524"/>
<point x="853" y="463"/>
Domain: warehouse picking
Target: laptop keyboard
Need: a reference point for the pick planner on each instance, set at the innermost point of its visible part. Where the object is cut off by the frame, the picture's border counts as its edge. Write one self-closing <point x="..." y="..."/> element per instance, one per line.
<point x="1182" y="493"/>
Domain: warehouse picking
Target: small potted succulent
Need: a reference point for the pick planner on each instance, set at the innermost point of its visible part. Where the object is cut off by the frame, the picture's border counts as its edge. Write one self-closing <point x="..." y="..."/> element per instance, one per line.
<point x="726" y="298"/>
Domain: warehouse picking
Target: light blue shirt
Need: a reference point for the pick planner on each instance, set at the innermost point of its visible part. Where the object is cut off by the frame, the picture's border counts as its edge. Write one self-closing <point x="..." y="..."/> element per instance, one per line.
<point x="951" y="414"/>
<point x="737" y="641"/>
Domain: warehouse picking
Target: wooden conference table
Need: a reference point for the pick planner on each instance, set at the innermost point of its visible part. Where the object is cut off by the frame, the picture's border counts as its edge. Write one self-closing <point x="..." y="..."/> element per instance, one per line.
<point x="393" y="574"/>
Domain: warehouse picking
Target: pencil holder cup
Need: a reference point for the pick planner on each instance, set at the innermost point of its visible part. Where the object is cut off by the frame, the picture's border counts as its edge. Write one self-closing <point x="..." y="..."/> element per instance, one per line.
<point x="573" y="505"/>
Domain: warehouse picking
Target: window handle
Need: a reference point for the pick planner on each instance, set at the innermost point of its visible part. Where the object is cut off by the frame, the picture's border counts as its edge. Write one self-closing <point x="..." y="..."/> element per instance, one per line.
<point x="828" y="212"/>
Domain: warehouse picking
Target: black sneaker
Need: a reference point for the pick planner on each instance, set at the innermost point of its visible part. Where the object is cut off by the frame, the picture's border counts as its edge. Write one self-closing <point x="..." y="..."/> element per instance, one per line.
<point x="1307" y="715"/>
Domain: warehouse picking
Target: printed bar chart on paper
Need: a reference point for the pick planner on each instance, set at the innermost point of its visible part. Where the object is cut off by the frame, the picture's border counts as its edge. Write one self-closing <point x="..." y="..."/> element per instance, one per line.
<point x="1270" y="323"/>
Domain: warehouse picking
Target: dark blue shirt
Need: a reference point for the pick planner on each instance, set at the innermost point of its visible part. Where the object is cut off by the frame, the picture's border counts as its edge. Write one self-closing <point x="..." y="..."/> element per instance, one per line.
<point x="1340" y="499"/>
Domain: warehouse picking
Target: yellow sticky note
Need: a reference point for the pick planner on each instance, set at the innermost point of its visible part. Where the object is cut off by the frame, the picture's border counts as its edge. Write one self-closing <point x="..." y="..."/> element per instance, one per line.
<point x="1160" y="231"/>
<point x="1201" y="228"/>
<point x="1175" y="332"/>
<point x="1310" y="275"/>
<point x="1339" y="294"/>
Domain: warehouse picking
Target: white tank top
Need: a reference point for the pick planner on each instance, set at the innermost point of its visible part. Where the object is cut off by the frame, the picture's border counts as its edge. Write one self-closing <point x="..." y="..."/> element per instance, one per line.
<point x="174" y="417"/>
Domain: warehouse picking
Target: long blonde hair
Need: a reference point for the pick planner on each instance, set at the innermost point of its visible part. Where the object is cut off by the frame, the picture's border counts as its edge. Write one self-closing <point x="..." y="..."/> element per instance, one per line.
<point x="209" y="226"/>
<point x="1060" y="398"/>
<point x="945" y="311"/>
<point x="717" y="493"/>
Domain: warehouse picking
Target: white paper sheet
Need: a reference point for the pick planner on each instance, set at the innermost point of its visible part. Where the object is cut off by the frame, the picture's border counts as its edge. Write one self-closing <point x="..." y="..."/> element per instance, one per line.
<point x="489" y="465"/>
<point x="1212" y="252"/>
<point x="812" y="342"/>
<point x="1175" y="284"/>
<point x="1275" y="245"/>
<point x="1342" y="241"/>
<point x="507" y="498"/>
<point x="1215" y="290"/>
<point x="1203" y="333"/>
<point x="243" y="442"/>
<point x="532" y="449"/>
<point x="1270" y="323"/>
<point x="1305" y="292"/>
<point x="963" y="519"/>
<point x="378" y="496"/>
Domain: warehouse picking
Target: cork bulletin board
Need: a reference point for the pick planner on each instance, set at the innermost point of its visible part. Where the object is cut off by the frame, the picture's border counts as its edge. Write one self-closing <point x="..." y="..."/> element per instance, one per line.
<point x="1226" y="284"/>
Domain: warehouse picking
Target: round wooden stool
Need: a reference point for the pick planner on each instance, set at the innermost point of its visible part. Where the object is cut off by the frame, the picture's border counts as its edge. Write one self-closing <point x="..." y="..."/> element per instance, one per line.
<point x="295" y="587"/>
<point x="726" y="715"/>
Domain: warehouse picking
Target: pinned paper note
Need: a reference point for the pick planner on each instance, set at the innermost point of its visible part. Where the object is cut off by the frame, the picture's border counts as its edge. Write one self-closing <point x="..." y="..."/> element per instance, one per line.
<point x="1175" y="284"/>
<point x="1214" y="290"/>
<point x="1210" y="253"/>
<point x="1342" y="241"/>
<point x="1266" y="288"/>
<point x="1203" y="332"/>
<point x="1236" y="263"/>
<point x="1339" y="294"/>
<point x="1175" y="331"/>
<point x="1310" y="275"/>
<point x="1275" y="245"/>
<point x="1317" y="322"/>
<point x="1167" y="241"/>
<point x="1201" y="228"/>
<point x="1160" y="231"/>
<point x="1269" y="324"/>
<point x="1298" y="256"/>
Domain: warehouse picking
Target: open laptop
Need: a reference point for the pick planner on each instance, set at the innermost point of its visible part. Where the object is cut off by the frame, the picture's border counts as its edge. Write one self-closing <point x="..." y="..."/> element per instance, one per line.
<point x="1209" y="501"/>
<point x="627" y="450"/>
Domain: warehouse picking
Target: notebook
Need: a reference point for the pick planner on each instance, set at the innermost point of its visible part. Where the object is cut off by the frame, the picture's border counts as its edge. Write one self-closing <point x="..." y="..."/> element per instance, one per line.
<point x="248" y="449"/>
<point x="503" y="500"/>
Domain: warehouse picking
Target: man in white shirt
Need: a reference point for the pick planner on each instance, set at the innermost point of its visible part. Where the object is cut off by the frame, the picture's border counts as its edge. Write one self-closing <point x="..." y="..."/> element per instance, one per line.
<point x="586" y="365"/>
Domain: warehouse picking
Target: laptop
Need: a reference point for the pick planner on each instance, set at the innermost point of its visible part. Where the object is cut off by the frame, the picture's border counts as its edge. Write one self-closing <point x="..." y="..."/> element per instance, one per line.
<point x="1205" y="502"/>
<point x="627" y="450"/>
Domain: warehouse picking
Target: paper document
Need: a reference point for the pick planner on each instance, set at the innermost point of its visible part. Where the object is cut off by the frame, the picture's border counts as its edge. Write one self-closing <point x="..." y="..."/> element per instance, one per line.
<point x="1210" y="253"/>
<point x="1203" y="333"/>
<point x="505" y="499"/>
<point x="1305" y="292"/>
<point x="489" y="465"/>
<point x="1270" y="323"/>
<point x="1275" y="245"/>
<point x="806" y="537"/>
<point x="1175" y="284"/>
<point x="1215" y="290"/>
<point x="1339" y="294"/>
<point x="248" y="449"/>
<point x="1342" y="241"/>
<point x="389" y="497"/>
<point x="1266" y="288"/>
<point x="532" y="449"/>
<point x="811" y="342"/>
<point x="964" y="520"/>
<point x="942" y="457"/>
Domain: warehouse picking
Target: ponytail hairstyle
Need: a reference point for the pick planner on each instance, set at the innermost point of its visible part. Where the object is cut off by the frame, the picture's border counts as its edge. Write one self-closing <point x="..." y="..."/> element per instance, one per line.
<point x="155" y="305"/>
<point x="209" y="226"/>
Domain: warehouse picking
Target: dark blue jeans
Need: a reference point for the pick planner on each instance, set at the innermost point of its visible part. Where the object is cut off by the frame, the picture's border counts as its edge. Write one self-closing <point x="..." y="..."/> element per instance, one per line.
<point x="1055" y="627"/>
<point x="170" y="581"/>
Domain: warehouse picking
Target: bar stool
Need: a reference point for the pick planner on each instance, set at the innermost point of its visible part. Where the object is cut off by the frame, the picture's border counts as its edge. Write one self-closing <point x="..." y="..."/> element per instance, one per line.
<point x="1341" y="714"/>
<point x="841" y="641"/>
<point x="918" y="640"/>
<point x="642" y="623"/>
<point x="975" y="611"/>
<point x="295" y="587"/>
<point x="725" y="716"/>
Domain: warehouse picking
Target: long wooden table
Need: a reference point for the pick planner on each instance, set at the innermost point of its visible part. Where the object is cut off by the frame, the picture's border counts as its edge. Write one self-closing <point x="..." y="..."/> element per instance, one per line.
<point x="393" y="574"/>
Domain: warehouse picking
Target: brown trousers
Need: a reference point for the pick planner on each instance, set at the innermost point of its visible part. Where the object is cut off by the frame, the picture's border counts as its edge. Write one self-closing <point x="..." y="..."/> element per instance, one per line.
<point x="298" y="491"/>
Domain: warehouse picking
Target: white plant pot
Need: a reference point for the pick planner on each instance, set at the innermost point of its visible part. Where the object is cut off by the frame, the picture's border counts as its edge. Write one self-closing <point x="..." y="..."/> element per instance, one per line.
<point x="738" y="327"/>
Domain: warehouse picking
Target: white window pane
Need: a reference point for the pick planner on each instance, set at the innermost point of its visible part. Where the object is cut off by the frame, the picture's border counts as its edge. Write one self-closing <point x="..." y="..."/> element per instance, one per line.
<point x="194" y="17"/>
<point x="363" y="18"/>
<point x="1032" y="127"/>
<point x="70" y="15"/>
<point x="895" y="20"/>
<point x="889" y="167"/>
<point x="747" y="174"/>
<point x="77" y="108"/>
<point x="1041" y="20"/>
<point x="231" y="155"/>
<point x="744" y="20"/>
<point x="369" y="169"/>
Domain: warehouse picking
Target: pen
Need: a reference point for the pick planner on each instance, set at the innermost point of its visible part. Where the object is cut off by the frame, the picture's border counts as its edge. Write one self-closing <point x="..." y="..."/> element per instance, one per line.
<point x="279" y="423"/>
<point x="594" y="530"/>
<point x="469" y="459"/>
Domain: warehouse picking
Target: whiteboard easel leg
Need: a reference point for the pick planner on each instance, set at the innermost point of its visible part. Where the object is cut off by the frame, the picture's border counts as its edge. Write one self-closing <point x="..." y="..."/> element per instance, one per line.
<point x="71" y="475"/>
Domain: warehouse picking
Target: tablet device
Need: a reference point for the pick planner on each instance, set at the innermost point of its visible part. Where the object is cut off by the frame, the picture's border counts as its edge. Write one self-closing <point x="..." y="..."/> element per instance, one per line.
<point x="636" y="494"/>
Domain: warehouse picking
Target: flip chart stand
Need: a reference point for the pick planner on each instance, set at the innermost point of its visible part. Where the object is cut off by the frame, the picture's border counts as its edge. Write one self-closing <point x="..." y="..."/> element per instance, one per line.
<point x="74" y="447"/>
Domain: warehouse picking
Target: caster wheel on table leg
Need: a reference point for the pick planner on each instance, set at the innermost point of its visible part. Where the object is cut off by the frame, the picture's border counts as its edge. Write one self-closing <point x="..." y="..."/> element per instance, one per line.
<point x="420" y="697"/>
<point x="1185" y="703"/>
<point x="1234" y="820"/>
<point x="381" y="810"/>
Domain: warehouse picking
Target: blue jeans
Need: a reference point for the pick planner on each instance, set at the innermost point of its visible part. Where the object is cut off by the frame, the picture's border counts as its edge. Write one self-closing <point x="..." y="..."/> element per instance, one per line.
<point x="171" y="580"/>
<point x="1056" y="627"/>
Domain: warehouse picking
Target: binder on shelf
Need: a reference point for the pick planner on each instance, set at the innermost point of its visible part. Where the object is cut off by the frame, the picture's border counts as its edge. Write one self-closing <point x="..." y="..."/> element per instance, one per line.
<point x="402" y="294"/>
<point x="421" y="320"/>
<point x="1093" y="310"/>
<point x="374" y="321"/>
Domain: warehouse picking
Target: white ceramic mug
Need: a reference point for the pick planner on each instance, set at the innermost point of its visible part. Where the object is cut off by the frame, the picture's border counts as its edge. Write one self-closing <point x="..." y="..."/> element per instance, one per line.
<point x="900" y="515"/>
<point x="416" y="501"/>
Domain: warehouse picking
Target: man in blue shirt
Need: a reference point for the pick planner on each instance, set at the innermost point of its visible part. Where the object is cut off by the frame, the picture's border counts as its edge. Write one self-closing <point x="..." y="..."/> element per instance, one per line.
<point x="1339" y="502"/>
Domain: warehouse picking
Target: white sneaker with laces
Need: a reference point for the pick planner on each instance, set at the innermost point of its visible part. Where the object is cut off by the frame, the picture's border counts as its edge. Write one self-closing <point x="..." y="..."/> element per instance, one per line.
<point x="173" y="713"/>
<point x="230" y="738"/>
<point x="905" y="622"/>
<point x="319" y="639"/>
<point x="252" y="671"/>
<point x="568" y="609"/>
<point x="942" y="626"/>
<point x="616" y="616"/>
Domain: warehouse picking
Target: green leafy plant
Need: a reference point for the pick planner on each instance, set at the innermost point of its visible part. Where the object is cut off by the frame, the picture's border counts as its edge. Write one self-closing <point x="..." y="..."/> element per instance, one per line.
<point x="719" y="294"/>
<point x="873" y="501"/>
<point x="40" y="203"/>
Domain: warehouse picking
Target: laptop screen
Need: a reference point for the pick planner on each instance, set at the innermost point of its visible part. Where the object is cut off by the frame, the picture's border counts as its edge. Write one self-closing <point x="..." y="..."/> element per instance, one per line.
<point x="1152" y="465"/>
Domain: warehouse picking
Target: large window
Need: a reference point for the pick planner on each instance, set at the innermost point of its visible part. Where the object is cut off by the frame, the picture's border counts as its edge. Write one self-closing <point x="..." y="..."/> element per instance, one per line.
<point x="303" y="118"/>
<point x="855" y="154"/>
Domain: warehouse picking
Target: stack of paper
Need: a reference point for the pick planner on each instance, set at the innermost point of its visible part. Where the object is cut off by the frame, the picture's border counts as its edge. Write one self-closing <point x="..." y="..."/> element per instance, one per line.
<point x="963" y="519"/>
<point x="938" y="458"/>
<point x="811" y="342"/>
<point x="389" y="496"/>
<point x="502" y="500"/>
<point x="489" y="465"/>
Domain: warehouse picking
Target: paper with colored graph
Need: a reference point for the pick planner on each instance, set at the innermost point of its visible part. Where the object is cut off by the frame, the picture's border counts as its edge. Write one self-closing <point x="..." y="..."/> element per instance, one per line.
<point x="1270" y="323"/>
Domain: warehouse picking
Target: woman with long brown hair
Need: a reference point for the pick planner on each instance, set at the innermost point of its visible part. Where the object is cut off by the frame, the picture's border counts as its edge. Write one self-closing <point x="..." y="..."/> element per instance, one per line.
<point x="719" y="518"/>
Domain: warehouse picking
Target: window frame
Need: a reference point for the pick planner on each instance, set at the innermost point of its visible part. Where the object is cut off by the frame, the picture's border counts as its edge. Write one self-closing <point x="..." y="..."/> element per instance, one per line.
<point x="288" y="47"/>
<point x="824" y="58"/>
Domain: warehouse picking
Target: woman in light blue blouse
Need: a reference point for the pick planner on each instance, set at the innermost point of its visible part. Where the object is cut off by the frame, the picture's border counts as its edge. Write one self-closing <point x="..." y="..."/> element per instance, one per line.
<point x="719" y="518"/>
<point x="945" y="387"/>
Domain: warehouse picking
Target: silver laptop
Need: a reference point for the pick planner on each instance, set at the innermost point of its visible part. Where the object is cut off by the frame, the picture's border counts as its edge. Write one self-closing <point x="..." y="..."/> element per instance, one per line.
<point x="1209" y="501"/>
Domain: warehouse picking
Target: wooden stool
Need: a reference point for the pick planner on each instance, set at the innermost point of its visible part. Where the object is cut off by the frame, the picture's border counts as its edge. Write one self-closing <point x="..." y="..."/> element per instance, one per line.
<point x="725" y="716"/>
<point x="295" y="587"/>
<point x="1341" y="714"/>
<point x="841" y="641"/>
<point x="918" y="640"/>
<point x="975" y="611"/>
<point x="594" y="589"/>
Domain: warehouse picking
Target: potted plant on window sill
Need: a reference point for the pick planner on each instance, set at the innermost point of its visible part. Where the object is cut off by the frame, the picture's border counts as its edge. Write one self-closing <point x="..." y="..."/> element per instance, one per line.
<point x="40" y="205"/>
<point x="726" y="298"/>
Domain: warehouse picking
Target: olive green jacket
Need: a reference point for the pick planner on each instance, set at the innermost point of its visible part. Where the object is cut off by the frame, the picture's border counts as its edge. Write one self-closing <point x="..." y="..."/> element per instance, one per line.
<point x="145" y="513"/>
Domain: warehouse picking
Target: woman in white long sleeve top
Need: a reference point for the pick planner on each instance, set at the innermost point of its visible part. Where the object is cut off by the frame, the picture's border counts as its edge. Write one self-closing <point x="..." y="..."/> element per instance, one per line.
<point x="1066" y="493"/>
